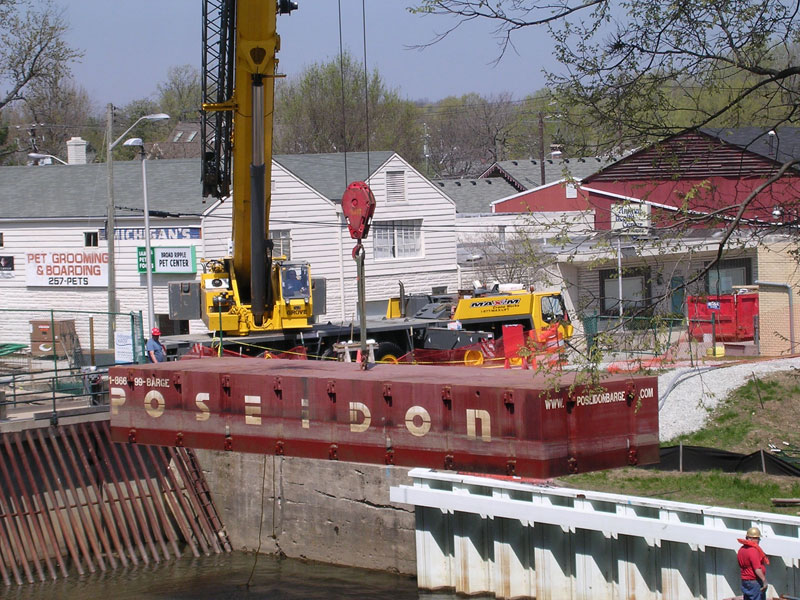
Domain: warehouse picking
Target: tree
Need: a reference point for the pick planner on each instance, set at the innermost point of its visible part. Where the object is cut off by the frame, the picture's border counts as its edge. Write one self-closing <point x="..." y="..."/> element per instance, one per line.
<point x="149" y="131"/>
<point x="452" y="149"/>
<point x="644" y="70"/>
<point x="180" y="96"/>
<point x="32" y="50"/>
<point x="313" y="114"/>
<point x="51" y="113"/>
<point x="467" y="134"/>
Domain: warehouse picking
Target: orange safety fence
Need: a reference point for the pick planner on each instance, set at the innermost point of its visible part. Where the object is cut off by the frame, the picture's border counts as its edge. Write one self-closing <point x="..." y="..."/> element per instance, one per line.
<point x="532" y="349"/>
<point x="201" y="351"/>
<point x="475" y="355"/>
<point x="296" y="353"/>
<point x="544" y="348"/>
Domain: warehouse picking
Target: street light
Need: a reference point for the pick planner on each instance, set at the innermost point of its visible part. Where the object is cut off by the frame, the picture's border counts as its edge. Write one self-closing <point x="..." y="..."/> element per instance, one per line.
<point x="38" y="156"/>
<point x="112" y="293"/>
<point x="137" y="142"/>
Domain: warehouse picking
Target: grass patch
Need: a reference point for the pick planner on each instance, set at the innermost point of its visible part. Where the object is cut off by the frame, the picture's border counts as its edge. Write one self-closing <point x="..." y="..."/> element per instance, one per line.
<point x="761" y="412"/>
<point x="747" y="491"/>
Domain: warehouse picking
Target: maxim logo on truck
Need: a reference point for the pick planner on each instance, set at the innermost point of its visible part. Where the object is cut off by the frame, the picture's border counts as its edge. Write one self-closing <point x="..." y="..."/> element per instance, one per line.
<point x="495" y="303"/>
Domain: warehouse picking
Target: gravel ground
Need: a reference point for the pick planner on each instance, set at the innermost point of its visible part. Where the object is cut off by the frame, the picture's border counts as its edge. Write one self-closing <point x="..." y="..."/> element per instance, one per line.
<point x="687" y="394"/>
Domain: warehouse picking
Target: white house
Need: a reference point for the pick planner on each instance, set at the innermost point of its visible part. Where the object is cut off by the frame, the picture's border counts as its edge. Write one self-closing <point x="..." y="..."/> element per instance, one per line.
<point x="53" y="247"/>
<point x="412" y="238"/>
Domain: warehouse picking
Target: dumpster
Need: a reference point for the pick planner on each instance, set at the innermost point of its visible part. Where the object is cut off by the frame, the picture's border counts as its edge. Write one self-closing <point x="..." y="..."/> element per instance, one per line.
<point x="733" y="316"/>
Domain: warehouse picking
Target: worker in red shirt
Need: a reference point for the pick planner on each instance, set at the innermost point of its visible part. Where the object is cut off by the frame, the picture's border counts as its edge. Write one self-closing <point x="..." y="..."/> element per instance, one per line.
<point x="753" y="563"/>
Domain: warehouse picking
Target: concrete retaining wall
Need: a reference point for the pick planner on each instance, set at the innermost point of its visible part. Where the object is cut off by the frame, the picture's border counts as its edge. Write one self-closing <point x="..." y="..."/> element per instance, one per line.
<point x="327" y="511"/>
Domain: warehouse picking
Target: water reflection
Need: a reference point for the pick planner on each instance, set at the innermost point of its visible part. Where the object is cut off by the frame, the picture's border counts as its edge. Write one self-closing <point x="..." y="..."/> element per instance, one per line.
<point x="226" y="576"/>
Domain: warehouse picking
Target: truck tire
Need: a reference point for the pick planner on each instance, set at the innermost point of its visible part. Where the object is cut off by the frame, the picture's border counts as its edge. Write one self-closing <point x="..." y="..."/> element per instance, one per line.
<point x="388" y="352"/>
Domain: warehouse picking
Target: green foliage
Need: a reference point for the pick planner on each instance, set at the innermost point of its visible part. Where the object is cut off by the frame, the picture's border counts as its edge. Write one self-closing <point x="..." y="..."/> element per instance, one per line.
<point x="149" y="131"/>
<point x="643" y="70"/>
<point x="180" y="96"/>
<point x="33" y="53"/>
<point x="749" y="491"/>
<point x="761" y="412"/>
<point x="325" y="109"/>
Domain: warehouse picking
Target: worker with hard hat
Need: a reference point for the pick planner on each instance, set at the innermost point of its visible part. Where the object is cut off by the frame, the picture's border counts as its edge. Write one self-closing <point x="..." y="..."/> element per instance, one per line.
<point x="156" y="351"/>
<point x="753" y="564"/>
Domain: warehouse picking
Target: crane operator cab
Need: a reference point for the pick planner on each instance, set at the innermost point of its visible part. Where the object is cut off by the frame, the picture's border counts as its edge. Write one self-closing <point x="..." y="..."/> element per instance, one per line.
<point x="294" y="306"/>
<point x="295" y="282"/>
<point x="290" y="306"/>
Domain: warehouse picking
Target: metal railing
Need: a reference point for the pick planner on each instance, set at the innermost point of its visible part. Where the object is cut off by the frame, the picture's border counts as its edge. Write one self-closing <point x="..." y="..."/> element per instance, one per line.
<point x="33" y="338"/>
<point x="24" y="395"/>
<point x="652" y="335"/>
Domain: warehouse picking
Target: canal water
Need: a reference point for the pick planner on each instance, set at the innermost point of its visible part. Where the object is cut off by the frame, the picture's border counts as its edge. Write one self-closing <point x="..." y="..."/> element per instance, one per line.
<point x="226" y="577"/>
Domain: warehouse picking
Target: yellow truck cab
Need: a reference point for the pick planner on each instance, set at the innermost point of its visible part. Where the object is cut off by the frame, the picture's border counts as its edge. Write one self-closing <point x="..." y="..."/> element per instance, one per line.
<point x="536" y="311"/>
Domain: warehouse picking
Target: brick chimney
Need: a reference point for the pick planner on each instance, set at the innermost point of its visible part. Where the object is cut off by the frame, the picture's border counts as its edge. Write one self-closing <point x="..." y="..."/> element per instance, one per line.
<point x="76" y="151"/>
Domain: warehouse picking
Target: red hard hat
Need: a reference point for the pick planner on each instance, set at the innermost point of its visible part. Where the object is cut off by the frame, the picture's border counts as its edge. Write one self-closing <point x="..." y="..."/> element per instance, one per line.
<point x="156" y="331"/>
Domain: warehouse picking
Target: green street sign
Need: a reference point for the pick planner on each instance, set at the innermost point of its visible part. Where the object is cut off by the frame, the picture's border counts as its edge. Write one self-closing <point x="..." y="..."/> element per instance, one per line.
<point x="171" y="259"/>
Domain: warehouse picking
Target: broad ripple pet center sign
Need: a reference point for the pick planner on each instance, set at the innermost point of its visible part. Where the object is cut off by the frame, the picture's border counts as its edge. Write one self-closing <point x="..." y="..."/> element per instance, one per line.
<point x="175" y="259"/>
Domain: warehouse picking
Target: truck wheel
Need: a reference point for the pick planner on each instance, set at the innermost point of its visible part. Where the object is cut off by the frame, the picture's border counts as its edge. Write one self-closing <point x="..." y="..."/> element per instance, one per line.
<point x="388" y="352"/>
<point x="473" y="358"/>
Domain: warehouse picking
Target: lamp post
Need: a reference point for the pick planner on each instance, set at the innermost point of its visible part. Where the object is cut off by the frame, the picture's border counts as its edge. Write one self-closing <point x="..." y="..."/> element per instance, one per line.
<point x="38" y="156"/>
<point x="137" y="142"/>
<point x="619" y="277"/>
<point x="112" y="288"/>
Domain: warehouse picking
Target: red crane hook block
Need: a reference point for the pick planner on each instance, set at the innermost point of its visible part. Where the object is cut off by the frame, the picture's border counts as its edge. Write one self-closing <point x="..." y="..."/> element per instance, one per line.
<point x="358" y="204"/>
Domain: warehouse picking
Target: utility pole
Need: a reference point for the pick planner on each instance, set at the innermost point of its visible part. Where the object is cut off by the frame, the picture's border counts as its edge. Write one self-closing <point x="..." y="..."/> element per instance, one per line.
<point x="541" y="144"/>
<point x="426" y="150"/>
<point x="112" y="283"/>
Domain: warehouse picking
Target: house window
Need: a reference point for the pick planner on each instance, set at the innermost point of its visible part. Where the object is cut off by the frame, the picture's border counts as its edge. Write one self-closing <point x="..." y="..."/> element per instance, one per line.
<point x="282" y="243"/>
<point x="635" y="290"/>
<point x="726" y="275"/>
<point x="91" y="238"/>
<point x="501" y="237"/>
<point x="397" y="239"/>
<point x="395" y="186"/>
<point x="192" y="136"/>
<point x="177" y="136"/>
<point x="1" y="240"/>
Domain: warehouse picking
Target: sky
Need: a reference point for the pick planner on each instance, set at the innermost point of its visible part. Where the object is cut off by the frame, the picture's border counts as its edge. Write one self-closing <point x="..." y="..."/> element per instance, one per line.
<point x="130" y="44"/>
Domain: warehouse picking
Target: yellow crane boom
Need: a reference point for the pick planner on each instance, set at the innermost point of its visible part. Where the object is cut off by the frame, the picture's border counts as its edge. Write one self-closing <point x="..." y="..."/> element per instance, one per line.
<point x="239" y="70"/>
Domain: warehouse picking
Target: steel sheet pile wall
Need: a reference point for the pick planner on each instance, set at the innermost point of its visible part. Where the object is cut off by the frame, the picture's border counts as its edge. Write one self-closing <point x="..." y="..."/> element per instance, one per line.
<point x="458" y="418"/>
<point x="70" y="499"/>
<point x="515" y="540"/>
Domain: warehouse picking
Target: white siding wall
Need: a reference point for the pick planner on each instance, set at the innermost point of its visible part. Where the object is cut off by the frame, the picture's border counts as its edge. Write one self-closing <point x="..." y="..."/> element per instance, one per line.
<point x="475" y="227"/>
<point x="216" y="229"/>
<point x="319" y="236"/>
<point x="49" y="236"/>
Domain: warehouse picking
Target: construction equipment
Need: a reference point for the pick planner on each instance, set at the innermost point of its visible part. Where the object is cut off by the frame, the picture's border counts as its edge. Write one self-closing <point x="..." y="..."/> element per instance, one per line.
<point x="538" y="312"/>
<point x="497" y="421"/>
<point x="245" y="292"/>
<point x="264" y="298"/>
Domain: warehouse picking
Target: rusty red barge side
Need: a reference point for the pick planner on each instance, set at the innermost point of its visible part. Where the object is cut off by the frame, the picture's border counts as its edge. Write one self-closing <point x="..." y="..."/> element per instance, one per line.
<point x="491" y="421"/>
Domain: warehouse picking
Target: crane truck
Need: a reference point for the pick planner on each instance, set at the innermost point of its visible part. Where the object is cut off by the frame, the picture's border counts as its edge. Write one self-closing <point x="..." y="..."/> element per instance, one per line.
<point x="255" y="299"/>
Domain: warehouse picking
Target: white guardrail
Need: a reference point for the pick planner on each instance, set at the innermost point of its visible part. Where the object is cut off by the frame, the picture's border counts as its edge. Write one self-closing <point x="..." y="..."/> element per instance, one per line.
<point x="518" y="540"/>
